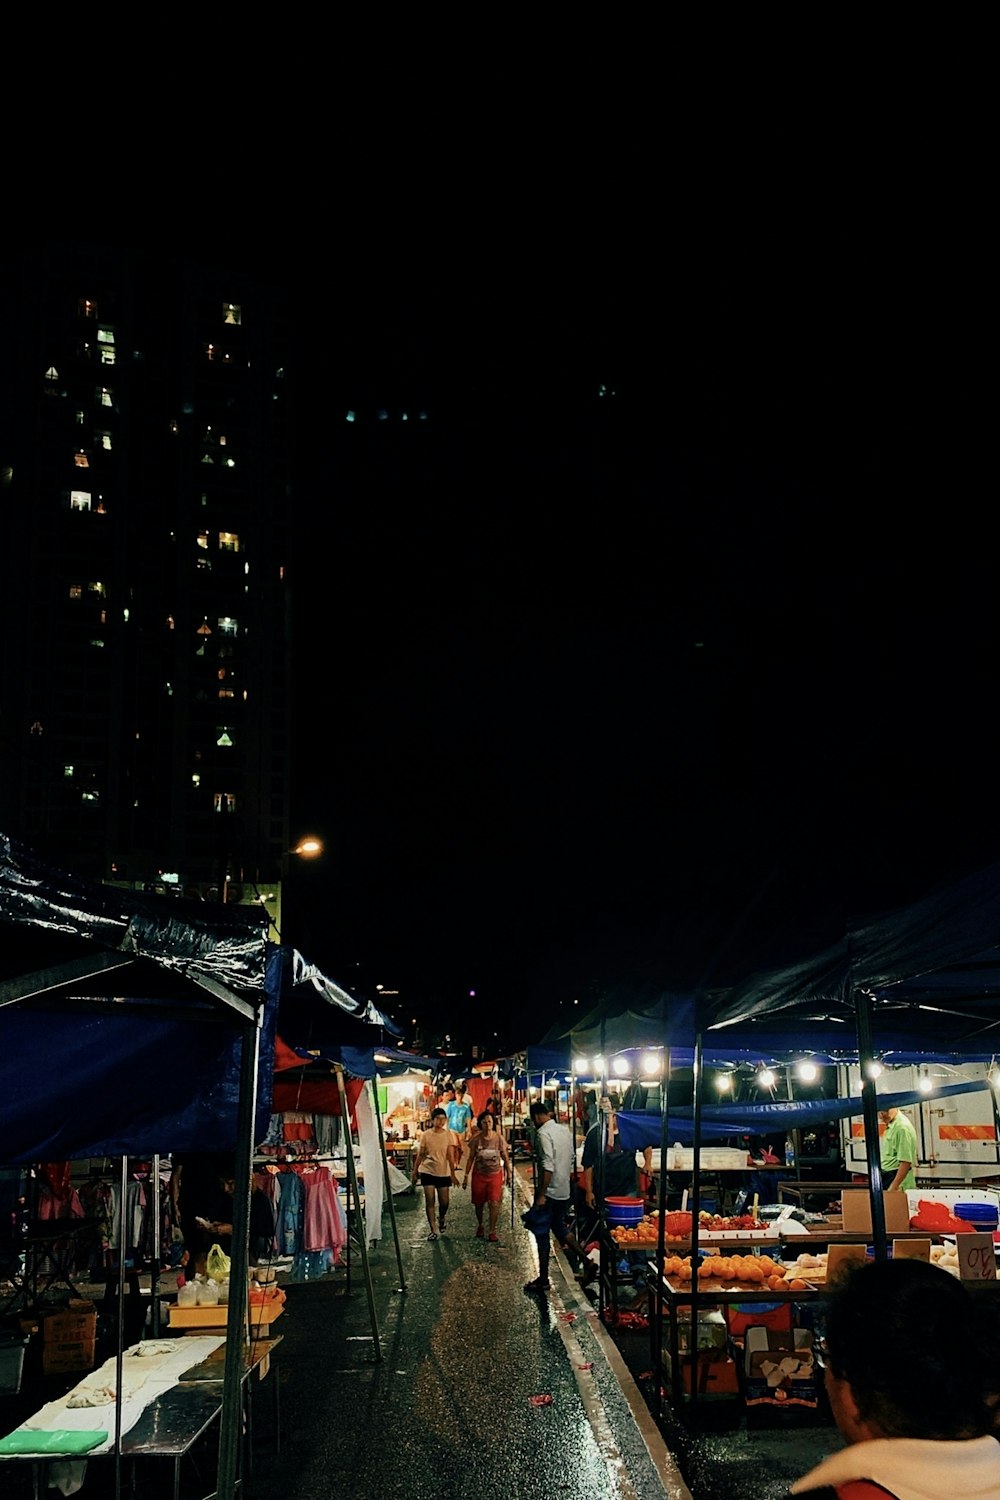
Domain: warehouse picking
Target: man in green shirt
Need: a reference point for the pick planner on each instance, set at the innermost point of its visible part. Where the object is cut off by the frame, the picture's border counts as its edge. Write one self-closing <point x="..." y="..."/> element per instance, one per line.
<point x="898" y="1151"/>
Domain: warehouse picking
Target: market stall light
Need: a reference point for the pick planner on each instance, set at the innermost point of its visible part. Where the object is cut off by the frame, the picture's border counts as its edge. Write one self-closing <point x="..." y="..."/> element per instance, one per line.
<point x="651" y="1064"/>
<point x="925" y="1084"/>
<point x="807" y="1070"/>
<point x="582" y="1065"/>
<point x="599" y="1065"/>
<point x="723" y="1082"/>
<point x="620" y="1066"/>
<point x="766" y="1078"/>
<point x="873" y="1069"/>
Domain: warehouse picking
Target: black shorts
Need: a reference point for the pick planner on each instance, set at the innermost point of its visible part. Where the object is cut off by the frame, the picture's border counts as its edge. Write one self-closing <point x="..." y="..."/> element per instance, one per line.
<point x="433" y="1182"/>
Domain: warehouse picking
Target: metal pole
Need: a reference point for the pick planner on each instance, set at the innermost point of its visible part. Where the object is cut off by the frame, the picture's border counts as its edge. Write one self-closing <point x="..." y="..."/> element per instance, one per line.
<point x="355" y="1196"/>
<point x="869" y="1109"/>
<point x="122" y="1218"/>
<point x="154" y="1280"/>
<point x="231" y="1419"/>
<point x="695" y="1210"/>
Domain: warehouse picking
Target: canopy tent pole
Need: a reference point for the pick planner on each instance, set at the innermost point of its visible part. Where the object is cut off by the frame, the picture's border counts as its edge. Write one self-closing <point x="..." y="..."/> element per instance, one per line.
<point x="352" y="1188"/>
<point x="154" y="1287"/>
<point x="695" y="1211"/>
<point x="661" y="1233"/>
<point x="869" y="1106"/>
<point x="231" y="1419"/>
<point x="388" y="1188"/>
<point x="120" y="1340"/>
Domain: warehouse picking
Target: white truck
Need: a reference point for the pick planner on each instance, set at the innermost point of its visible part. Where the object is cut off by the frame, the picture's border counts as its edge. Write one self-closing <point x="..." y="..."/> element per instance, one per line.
<point x="957" y="1137"/>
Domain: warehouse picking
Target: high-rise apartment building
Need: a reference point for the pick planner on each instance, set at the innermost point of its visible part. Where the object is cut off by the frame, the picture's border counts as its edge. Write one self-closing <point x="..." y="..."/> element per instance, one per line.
<point x="145" y="482"/>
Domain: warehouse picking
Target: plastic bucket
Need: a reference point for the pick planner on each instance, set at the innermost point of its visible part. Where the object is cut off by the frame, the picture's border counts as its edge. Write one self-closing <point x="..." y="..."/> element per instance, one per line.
<point x="624" y="1210"/>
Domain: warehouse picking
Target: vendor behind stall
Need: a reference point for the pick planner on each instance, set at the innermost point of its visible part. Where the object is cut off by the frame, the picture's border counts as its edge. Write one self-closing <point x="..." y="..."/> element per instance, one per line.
<point x="202" y="1186"/>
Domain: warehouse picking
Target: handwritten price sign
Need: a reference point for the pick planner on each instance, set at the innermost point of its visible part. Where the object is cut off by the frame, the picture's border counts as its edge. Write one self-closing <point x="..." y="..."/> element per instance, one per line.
<point x="976" y="1257"/>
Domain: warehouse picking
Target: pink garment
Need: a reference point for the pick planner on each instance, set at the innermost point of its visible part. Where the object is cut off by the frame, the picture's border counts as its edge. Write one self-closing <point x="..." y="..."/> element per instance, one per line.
<point x="324" y="1227"/>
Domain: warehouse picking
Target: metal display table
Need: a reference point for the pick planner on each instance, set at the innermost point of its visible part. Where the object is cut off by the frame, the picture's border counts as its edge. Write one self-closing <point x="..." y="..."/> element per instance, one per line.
<point x="173" y="1422"/>
<point x="710" y="1295"/>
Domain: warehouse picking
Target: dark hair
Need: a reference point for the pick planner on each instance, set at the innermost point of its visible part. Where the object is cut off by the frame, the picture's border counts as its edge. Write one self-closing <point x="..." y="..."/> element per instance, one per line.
<point x="439" y="1111"/>
<point x="540" y="1107"/>
<point x="485" y="1116"/>
<point x="905" y="1337"/>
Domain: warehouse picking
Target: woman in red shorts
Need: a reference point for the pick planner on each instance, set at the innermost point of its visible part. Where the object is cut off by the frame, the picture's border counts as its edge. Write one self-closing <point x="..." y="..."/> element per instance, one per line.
<point x="489" y="1164"/>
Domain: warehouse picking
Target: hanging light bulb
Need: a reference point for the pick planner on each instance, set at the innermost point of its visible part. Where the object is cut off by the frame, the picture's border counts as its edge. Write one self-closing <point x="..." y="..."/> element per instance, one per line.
<point x="651" y="1064"/>
<point x="766" y="1078"/>
<point x="807" y="1070"/>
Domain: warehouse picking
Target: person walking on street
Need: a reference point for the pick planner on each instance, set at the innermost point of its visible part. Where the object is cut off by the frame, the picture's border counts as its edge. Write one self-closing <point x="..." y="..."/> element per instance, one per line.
<point x="897" y="1151"/>
<point x="553" y="1170"/>
<point x="436" y="1170"/>
<point x="459" y="1112"/>
<point x="915" y="1417"/>
<point x="489" y="1165"/>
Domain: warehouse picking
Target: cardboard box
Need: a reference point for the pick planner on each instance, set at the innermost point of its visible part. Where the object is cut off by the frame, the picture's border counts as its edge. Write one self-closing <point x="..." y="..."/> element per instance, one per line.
<point x="857" y="1211"/>
<point x="717" y="1374"/>
<point x="215" y="1319"/>
<point x="68" y="1338"/>
<point x="779" y="1369"/>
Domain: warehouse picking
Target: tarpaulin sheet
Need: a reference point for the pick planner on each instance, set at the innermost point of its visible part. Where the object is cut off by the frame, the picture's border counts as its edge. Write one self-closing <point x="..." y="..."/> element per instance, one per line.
<point x="718" y="1122"/>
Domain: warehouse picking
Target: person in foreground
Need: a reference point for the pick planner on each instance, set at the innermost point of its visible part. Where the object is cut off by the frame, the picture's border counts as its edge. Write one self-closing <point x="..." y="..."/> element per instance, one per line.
<point x="908" y="1375"/>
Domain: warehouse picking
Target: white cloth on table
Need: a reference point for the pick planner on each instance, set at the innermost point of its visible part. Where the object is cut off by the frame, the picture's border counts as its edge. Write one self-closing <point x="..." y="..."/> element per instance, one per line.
<point x="144" y="1377"/>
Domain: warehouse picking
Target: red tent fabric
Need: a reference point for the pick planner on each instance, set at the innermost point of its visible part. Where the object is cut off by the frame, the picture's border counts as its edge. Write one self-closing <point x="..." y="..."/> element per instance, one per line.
<point x="310" y="1094"/>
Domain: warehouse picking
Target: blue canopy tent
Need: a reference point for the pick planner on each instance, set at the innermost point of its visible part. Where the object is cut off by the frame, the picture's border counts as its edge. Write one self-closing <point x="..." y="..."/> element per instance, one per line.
<point x="101" y="991"/>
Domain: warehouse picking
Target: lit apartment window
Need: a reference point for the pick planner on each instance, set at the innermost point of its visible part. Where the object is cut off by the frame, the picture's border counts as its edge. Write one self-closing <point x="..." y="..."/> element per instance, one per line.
<point x="224" y="802"/>
<point x="52" y="373"/>
<point x="203" y="540"/>
<point x="228" y="625"/>
<point x="223" y="737"/>
<point x="103" y="395"/>
<point x="87" y="307"/>
<point x="98" y="588"/>
<point x="81" y="460"/>
<point x="90" y="796"/>
<point x="232" y="313"/>
<point x="208" y="459"/>
<point x="209" y="351"/>
<point x="171" y="623"/>
<point x="196" y="778"/>
<point x="67" y="770"/>
<point x="225" y="692"/>
<point x="228" y="541"/>
<point x="79" y="499"/>
<point x="105" y="335"/>
<point x="222" y="439"/>
<point x="80" y="418"/>
<point x="76" y="591"/>
<point x="203" y="564"/>
<point x="37" y="727"/>
<point x="104" y="438"/>
<point x="99" y="507"/>
<point x="107" y="355"/>
<point x="96" y="640"/>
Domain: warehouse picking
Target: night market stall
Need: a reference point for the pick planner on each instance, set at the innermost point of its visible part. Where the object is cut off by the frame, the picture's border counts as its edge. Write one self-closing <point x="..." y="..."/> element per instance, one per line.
<point x="131" y="1022"/>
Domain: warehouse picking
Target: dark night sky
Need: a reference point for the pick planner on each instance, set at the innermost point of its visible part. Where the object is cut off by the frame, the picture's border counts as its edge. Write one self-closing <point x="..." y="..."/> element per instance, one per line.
<point x="615" y="684"/>
<point x="614" y="693"/>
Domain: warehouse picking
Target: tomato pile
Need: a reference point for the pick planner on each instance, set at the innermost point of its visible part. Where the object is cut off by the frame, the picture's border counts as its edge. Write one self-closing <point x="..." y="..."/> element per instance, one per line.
<point x="677" y="1227"/>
